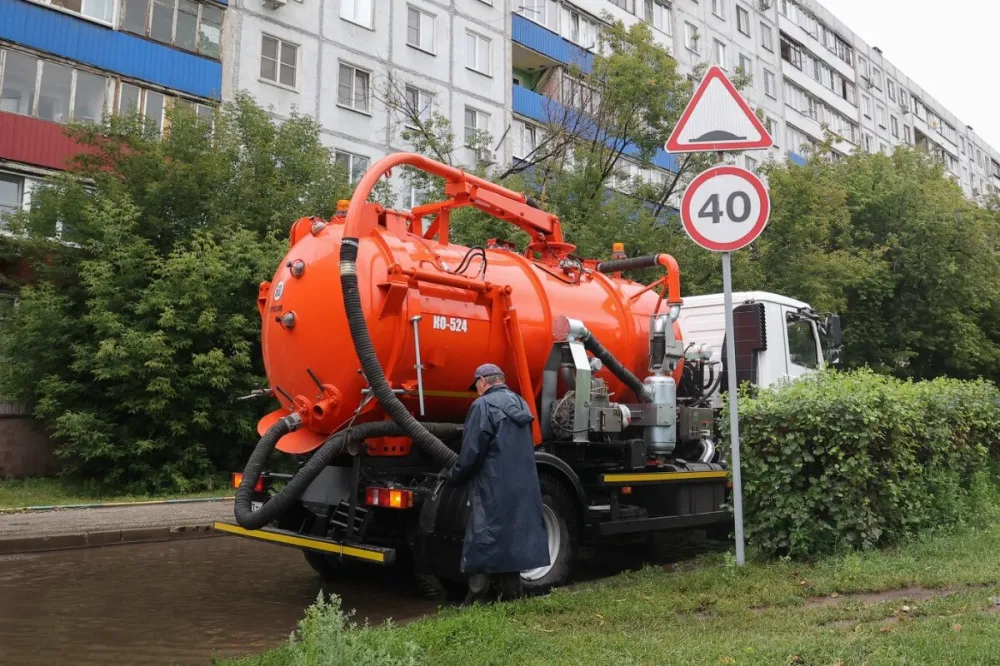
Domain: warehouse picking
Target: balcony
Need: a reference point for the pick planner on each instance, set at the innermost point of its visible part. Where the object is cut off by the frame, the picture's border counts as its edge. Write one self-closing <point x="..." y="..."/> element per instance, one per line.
<point x="82" y="41"/>
<point x="541" y="109"/>
<point x="34" y="141"/>
<point x="543" y="41"/>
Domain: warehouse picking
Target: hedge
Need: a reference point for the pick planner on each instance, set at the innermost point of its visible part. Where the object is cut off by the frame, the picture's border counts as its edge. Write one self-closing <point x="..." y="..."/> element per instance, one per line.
<point x="841" y="461"/>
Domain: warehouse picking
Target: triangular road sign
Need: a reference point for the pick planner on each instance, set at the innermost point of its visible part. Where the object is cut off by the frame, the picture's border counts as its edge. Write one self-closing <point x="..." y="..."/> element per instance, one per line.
<point x="717" y="118"/>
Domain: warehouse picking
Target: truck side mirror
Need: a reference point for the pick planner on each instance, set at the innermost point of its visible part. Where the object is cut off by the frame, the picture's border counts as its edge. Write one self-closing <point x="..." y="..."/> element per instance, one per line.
<point x="834" y="338"/>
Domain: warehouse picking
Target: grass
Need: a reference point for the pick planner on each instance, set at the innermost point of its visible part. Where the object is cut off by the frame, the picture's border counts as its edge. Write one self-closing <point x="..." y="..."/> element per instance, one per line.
<point x="18" y="493"/>
<point x="709" y="611"/>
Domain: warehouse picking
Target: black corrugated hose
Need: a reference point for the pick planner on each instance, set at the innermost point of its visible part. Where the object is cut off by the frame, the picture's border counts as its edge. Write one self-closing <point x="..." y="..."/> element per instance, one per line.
<point x="421" y="436"/>
<point x="591" y="344"/>
<point x="324" y="455"/>
<point x="632" y="264"/>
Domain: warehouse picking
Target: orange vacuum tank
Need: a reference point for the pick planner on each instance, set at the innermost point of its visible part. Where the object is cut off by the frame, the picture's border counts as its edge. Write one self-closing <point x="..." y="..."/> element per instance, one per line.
<point x="408" y="281"/>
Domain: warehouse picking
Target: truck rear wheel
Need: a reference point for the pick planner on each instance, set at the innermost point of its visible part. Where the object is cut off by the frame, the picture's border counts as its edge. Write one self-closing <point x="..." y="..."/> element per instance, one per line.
<point x="563" y="532"/>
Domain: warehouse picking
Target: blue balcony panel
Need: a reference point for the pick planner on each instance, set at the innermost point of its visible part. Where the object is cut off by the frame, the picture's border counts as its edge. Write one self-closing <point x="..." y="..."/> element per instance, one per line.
<point x="797" y="159"/>
<point x="542" y="109"/>
<point x="537" y="38"/>
<point x="99" y="46"/>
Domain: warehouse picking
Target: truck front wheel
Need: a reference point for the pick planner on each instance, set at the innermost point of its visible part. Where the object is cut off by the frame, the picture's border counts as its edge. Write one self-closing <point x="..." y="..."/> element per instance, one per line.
<point x="563" y="534"/>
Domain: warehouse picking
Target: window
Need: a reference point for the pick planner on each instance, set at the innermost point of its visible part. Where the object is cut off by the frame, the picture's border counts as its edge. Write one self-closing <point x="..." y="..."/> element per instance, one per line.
<point x="420" y="29"/>
<point x="866" y="106"/>
<point x="354" y="165"/>
<point x="802" y="343"/>
<point x="101" y="10"/>
<point x="353" y="88"/>
<point x="88" y="104"/>
<point x="868" y="142"/>
<point x="210" y="31"/>
<point x="877" y="77"/>
<point x="719" y="8"/>
<point x="361" y="12"/>
<point x="579" y="95"/>
<point x="880" y="115"/>
<point x="751" y="164"/>
<point x="147" y="103"/>
<point x="35" y="87"/>
<point x="657" y="14"/>
<point x="792" y="53"/>
<point x="766" y="37"/>
<point x="743" y="20"/>
<point x="772" y="127"/>
<point x="153" y="108"/>
<point x="720" y="54"/>
<point x="543" y="12"/>
<point x="894" y="126"/>
<point x="579" y="29"/>
<point x="11" y="193"/>
<point x="418" y="105"/>
<point x="525" y="139"/>
<point x="203" y="111"/>
<point x="891" y="87"/>
<point x="770" y="85"/>
<point x="902" y="98"/>
<point x="906" y="134"/>
<point x="477" y="52"/>
<point x="186" y="24"/>
<point x="797" y="140"/>
<point x="278" y="61"/>
<point x="746" y="66"/>
<point x="627" y="5"/>
<point x="476" y="122"/>
<point x="961" y="144"/>
<point x="691" y="37"/>
<point x="863" y="67"/>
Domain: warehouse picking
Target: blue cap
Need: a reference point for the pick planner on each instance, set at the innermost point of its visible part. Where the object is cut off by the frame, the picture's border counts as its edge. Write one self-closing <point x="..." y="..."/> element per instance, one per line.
<point x="485" y="370"/>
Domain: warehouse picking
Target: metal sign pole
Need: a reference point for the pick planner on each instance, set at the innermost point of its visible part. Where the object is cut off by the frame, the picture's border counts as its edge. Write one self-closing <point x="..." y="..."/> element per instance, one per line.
<point x="734" y="417"/>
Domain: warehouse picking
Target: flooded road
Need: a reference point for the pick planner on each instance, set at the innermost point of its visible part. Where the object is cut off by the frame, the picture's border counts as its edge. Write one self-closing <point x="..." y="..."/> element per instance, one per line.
<point x="181" y="602"/>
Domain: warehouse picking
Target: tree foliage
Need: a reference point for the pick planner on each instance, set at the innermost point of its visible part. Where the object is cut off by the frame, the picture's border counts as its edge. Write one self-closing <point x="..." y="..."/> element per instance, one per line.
<point x="142" y="328"/>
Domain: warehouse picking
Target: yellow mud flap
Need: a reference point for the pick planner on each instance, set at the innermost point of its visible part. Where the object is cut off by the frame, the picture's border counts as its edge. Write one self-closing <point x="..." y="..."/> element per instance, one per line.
<point x="633" y="478"/>
<point x="373" y="554"/>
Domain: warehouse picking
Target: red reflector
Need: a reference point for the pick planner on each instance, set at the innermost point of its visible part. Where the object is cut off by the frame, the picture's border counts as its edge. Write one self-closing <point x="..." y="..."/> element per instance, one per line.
<point x="238" y="479"/>
<point x="390" y="498"/>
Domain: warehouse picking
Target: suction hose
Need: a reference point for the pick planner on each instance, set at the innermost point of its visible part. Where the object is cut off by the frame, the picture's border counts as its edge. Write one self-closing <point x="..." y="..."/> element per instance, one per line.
<point x="591" y="344"/>
<point x="421" y="436"/>
<point x="324" y="455"/>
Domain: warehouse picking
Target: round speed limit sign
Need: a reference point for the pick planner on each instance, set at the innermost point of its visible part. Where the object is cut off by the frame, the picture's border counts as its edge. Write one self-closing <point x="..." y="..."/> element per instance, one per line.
<point x="725" y="208"/>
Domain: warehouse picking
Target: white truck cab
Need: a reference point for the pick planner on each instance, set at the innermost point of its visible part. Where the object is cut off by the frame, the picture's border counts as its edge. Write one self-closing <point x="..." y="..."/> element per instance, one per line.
<point x="777" y="337"/>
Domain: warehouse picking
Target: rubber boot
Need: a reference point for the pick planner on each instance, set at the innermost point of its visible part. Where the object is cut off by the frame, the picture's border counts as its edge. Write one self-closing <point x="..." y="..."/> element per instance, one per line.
<point x="479" y="589"/>
<point x="510" y="586"/>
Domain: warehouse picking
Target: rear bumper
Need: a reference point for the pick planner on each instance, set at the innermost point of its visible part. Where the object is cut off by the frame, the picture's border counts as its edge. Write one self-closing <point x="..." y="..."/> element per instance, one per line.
<point x="362" y="552"/>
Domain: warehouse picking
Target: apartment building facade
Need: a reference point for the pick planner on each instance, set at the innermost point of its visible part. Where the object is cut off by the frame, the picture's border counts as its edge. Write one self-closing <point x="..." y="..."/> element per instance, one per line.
<point x="67" y="61"/>
<point x="500" y="65"/>
<point x="346" y="63"/>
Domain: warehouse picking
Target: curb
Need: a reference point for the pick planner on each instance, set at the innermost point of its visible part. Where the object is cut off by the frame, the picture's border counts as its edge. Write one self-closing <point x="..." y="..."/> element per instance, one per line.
<point x="103" y="505"/>
<point x="38" y="544"/>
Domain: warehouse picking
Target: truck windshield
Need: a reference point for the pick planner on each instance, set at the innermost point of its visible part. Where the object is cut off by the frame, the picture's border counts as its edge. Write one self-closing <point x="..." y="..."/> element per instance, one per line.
<point x="802" y="343"/>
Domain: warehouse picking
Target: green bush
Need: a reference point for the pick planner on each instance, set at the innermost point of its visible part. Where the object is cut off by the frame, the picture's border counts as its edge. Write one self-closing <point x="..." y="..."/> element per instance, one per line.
<point x="141" y="328"/>
<point x="857" y="460"/>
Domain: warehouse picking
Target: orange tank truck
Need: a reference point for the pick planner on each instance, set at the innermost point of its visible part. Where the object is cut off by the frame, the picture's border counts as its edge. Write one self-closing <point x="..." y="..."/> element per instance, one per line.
<point x="371" y="329"/>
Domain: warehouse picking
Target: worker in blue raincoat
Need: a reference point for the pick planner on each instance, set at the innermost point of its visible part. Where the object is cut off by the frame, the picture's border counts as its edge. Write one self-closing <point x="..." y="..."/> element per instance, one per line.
<point x="505" y="534"/>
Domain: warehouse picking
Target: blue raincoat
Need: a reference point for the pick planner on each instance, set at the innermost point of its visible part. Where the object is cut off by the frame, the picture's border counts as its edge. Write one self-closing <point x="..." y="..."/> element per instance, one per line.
<point x="505" y="532"/>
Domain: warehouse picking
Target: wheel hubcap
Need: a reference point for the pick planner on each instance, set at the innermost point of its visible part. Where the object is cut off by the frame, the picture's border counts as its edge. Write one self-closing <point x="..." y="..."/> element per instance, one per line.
<point x="554" y="538"/>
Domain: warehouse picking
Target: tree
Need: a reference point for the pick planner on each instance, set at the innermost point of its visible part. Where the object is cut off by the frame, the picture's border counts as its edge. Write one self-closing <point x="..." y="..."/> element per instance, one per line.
<point x="142" y="328"/>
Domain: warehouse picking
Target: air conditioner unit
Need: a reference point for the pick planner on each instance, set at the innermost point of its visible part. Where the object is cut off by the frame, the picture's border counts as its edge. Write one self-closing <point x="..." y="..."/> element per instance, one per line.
<point x="274" y="4"/>
<point x="765" y="4"/>
<point x="486" y="157"/>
